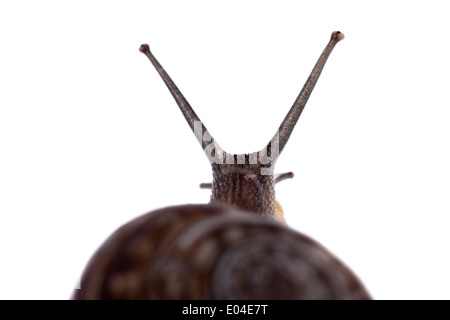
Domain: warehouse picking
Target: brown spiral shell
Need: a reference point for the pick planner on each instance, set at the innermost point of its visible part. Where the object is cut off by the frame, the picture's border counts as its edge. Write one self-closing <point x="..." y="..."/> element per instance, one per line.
<point x="214" y="252"/>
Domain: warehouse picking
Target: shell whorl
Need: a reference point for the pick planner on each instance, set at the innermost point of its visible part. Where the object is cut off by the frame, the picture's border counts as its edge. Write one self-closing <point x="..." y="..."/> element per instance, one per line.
<point x="214" y="252"/>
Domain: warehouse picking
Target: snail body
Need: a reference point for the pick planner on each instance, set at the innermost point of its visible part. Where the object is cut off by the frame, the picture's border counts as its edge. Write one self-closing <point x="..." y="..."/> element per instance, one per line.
<point x="236" y="247"/>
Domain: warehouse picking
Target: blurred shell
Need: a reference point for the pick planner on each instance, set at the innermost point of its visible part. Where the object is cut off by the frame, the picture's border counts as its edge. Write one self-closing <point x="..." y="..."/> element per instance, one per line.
<point x="214" y="252"/>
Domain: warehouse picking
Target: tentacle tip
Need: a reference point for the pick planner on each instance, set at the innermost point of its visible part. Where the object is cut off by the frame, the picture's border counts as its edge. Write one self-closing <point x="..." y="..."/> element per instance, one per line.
<point x="290" y="174"/>
<point x="144" y="48"/>
<point x="205" y="185"/>
<point x="337" y="35"/>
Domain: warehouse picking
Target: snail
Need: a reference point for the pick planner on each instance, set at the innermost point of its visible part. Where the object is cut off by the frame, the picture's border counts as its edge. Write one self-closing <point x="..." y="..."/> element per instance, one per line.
<point x="236" y="247"/>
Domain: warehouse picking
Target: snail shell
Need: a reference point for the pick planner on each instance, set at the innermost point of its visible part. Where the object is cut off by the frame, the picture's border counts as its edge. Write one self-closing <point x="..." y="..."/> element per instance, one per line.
<point x="214" y="252"/>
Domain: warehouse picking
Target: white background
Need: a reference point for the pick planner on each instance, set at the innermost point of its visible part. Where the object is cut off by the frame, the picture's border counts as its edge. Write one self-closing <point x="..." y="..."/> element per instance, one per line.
<point x="91" y="138"/>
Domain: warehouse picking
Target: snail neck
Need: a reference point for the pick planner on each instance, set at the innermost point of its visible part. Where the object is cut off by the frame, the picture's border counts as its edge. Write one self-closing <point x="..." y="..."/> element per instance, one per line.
<point x="246" y="187"/>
